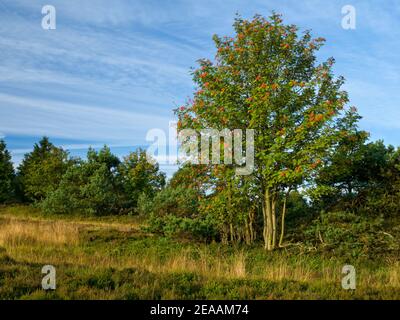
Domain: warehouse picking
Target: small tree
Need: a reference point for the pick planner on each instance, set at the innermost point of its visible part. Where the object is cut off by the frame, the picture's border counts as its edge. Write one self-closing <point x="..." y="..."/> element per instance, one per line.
<point x="140" y="175"/>
<point x="355" y="167"/>
<point x="90" y="187"/>
<point x="7" y="174"/>
<point x="41" y="170"/>
<point x="266" y="78"/>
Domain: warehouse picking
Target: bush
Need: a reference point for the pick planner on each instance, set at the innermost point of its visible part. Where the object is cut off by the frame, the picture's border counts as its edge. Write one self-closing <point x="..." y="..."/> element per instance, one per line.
<point x="174" y="211"/>
<point x="138" y="175"/>
<point x="180" y="202"/>
<point x="351" y="235"/>
<point x="170" y="225"/>
<point x="88" y="187"/>
<point x="103" y="185"/>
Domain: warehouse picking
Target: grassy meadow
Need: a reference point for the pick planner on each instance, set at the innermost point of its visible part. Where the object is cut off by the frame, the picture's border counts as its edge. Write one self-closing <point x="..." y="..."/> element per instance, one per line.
<point x="114" y="258"/>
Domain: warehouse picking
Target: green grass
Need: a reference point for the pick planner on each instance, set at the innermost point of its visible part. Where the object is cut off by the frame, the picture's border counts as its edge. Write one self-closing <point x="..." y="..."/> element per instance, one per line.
<point x="112" y="258"/>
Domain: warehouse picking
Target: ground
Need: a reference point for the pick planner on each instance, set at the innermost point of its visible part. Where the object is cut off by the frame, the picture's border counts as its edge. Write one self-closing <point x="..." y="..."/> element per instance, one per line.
<point x="113" y="258"/>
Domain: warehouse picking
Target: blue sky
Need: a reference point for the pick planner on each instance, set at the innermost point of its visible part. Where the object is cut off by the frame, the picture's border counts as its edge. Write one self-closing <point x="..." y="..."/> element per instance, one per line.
<point x="112" y="70"/>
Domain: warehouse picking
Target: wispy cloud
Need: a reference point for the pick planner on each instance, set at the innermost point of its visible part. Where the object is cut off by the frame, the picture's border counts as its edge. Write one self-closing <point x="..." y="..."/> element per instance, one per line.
<point x="113" y="70"/>
<point x="38" y="117"/>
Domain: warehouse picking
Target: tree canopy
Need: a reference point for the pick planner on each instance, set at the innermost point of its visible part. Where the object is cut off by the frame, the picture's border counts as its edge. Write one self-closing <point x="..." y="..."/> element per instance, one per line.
<point x="41" y="170"/>
<point x="267" y="78"/>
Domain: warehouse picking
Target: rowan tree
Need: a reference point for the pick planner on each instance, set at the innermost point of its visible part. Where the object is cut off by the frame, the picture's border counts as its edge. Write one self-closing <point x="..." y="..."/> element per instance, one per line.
<point x="267" y="78"/>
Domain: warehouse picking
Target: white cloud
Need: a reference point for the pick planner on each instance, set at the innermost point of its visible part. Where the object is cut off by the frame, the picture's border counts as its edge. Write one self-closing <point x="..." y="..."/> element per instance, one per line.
<point x="59" y="119"/>
<point x="122" y="65"/>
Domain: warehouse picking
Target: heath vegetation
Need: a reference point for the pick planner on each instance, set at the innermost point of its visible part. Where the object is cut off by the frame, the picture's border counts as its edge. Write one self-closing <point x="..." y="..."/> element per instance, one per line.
<point x="321" y="194"/>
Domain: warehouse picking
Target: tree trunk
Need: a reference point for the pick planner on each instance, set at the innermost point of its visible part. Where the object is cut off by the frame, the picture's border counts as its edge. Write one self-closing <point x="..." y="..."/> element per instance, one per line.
<point x="268" y="221"/>
<point x="265" y="228"/>
<point x="231" y="232"/>
<point x="247" y="232"/>
<point x="273" y="220"/>
<point x="230" y="214"/>
<point x="251" y="230"/>
<point x="283" y="220"/>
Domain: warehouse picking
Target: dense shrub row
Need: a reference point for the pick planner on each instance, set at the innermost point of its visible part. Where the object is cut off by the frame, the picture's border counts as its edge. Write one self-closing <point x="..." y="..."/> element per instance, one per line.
<point x="100" y="184"/>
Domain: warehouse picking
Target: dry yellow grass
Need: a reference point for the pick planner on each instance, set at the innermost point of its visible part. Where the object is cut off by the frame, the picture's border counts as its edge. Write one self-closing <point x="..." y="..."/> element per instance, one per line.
<point x="394" y="274"/>
<point x="206" y="265"/>
<point x="16" y="232"/>
<point x="57" y="242"/>
<point x="7" y="214"/>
